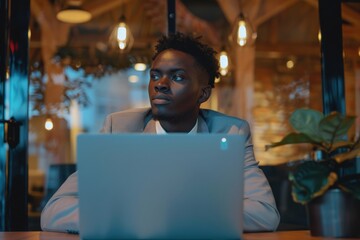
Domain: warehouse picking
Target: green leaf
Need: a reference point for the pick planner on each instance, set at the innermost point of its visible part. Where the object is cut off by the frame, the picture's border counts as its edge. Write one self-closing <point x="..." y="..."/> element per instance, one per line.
<point x="311" y="179"/>
<point x="307" y="121"/>
<point x="334" y="127"/>
<point x="293" y="138"/>
<point x="351" y="185"/>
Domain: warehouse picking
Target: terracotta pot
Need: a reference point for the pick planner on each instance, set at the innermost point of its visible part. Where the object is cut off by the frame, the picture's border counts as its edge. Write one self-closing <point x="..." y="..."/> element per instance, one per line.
<point x="334" y="214"/>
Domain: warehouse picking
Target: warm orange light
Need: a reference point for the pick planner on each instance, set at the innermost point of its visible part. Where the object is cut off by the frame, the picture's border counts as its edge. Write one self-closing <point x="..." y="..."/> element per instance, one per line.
<point x="242" y="32"/>
<point x="224" y="63"/>
<point x="121" y="36"/>
<point x="73" y="14"/>
<point x="140" y="66"/>
<point x="49" y="124"/>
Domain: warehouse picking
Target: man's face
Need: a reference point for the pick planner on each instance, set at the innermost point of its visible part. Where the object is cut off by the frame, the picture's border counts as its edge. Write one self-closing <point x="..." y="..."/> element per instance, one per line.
<point x="177" y="86"/>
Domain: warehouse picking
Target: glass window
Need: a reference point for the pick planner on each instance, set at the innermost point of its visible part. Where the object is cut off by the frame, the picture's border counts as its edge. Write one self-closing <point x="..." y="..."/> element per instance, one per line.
<point x="79" y="74"/>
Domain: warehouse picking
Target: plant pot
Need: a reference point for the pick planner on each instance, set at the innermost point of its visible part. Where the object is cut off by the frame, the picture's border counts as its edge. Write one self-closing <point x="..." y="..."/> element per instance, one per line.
<point x="334" y="214"/>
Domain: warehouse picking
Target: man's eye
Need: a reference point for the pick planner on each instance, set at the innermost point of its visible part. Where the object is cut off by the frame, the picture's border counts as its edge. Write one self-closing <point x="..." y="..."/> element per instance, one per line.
<point x="154" y="76"/>
<point x="177" y="77"/>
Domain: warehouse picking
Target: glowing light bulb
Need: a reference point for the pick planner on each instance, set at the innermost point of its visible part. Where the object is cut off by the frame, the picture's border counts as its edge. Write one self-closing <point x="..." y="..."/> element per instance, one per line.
<point x="121" y="35"/>
<point x="140" y="66"/>
<point x="290" y="64"/>
<point x="121" y="32"/>
<point x="49" y="124"/>
<point x="133" y="79"/>
<point x="242" y="34"/>
<point x="224" y="63"/>
<point x="122" y="45"/>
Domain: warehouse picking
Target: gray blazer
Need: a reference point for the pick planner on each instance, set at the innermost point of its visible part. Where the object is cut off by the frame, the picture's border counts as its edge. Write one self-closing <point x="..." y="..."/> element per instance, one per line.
<point x="61" y="213"/>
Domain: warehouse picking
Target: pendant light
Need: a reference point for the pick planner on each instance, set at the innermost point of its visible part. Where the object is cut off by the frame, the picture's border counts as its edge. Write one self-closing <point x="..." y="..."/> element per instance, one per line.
<point x="243" y="32"/>
<point x="224" y="63"/>
<point x="73" y="13"/>
<point x="49" y="125"/>
<point x="121" y="36"/>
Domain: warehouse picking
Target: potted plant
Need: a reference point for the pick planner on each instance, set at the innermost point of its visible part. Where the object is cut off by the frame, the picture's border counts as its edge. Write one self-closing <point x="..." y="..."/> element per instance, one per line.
<point x="332" y="197"/>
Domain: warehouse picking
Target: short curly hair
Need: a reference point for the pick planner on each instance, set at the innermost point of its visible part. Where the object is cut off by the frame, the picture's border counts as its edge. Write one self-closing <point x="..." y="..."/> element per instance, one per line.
<point x="203" y="54"/>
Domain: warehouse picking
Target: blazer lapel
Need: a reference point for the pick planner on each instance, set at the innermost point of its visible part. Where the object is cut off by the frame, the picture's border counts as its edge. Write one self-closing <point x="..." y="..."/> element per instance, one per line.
<point x="202" y="126"/>
<point x="150" y="127"/>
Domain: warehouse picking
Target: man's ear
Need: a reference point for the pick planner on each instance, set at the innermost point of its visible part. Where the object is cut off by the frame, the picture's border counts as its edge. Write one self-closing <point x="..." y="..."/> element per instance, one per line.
<point x="205" y="94"/>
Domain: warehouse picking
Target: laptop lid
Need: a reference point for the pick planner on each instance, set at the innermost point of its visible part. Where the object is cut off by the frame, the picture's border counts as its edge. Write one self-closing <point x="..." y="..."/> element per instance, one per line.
<point x="174" y="186"/>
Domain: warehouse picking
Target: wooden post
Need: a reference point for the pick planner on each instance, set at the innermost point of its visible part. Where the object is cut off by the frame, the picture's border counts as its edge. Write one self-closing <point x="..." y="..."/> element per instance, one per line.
<point x="242" y="102"/>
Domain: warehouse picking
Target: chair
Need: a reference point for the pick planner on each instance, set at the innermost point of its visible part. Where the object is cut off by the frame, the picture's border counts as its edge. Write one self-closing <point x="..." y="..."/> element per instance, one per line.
<point x="293" y="215"/>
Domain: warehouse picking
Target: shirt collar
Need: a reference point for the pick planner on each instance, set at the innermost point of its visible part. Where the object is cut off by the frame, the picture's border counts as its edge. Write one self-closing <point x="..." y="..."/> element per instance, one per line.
<point x="161" y="130"/>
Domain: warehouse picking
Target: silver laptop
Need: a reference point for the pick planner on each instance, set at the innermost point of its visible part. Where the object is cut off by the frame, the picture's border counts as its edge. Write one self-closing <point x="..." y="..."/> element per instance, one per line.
<point x="175" y="186"/>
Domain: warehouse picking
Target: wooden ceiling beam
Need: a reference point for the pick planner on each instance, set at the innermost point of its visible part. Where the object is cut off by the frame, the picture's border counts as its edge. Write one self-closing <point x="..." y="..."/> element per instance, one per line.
<point x="99" y="7"/>
<point x="259" y="11"/>
<point x="350" y="15"/>
<point x="230" y="8"/>
<point x="283" y="50"/>
<point x="273" y="8"/>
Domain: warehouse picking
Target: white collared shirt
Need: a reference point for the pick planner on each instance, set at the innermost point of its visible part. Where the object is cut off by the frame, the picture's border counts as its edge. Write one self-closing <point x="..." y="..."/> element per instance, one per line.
<point x="161" y="130"/>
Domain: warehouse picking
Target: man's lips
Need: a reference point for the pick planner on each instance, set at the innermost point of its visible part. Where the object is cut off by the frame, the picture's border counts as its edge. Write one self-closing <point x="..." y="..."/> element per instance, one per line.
<point x="160" y="100"/>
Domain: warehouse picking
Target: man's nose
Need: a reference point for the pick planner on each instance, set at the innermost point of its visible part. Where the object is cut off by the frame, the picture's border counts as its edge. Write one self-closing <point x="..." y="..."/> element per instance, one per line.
<point x="162" y="84"/>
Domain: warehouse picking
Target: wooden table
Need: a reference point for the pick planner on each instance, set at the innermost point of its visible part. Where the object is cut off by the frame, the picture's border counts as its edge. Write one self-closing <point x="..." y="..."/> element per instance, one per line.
<point x="281" y="235"/>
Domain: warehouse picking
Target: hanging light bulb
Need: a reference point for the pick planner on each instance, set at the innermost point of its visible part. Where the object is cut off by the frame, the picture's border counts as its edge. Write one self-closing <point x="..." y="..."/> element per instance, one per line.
<point x="224" y="63"/>
<point x="140" y="62"/>
<point x="290" y="64"/>
<point x="73" y="13"/>
<point x="243" y="32"/>
<point x="49" y="125"/>
<point x="121" y="36"/>
<point x="140" y="66"/>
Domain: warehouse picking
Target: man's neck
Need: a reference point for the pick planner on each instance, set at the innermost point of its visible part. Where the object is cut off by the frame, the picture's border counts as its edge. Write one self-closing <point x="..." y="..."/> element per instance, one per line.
<point x="178" y="126"/>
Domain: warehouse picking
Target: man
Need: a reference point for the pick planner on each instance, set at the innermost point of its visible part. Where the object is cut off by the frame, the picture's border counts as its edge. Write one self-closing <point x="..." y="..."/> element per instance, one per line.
<point x="181" y="77"/>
